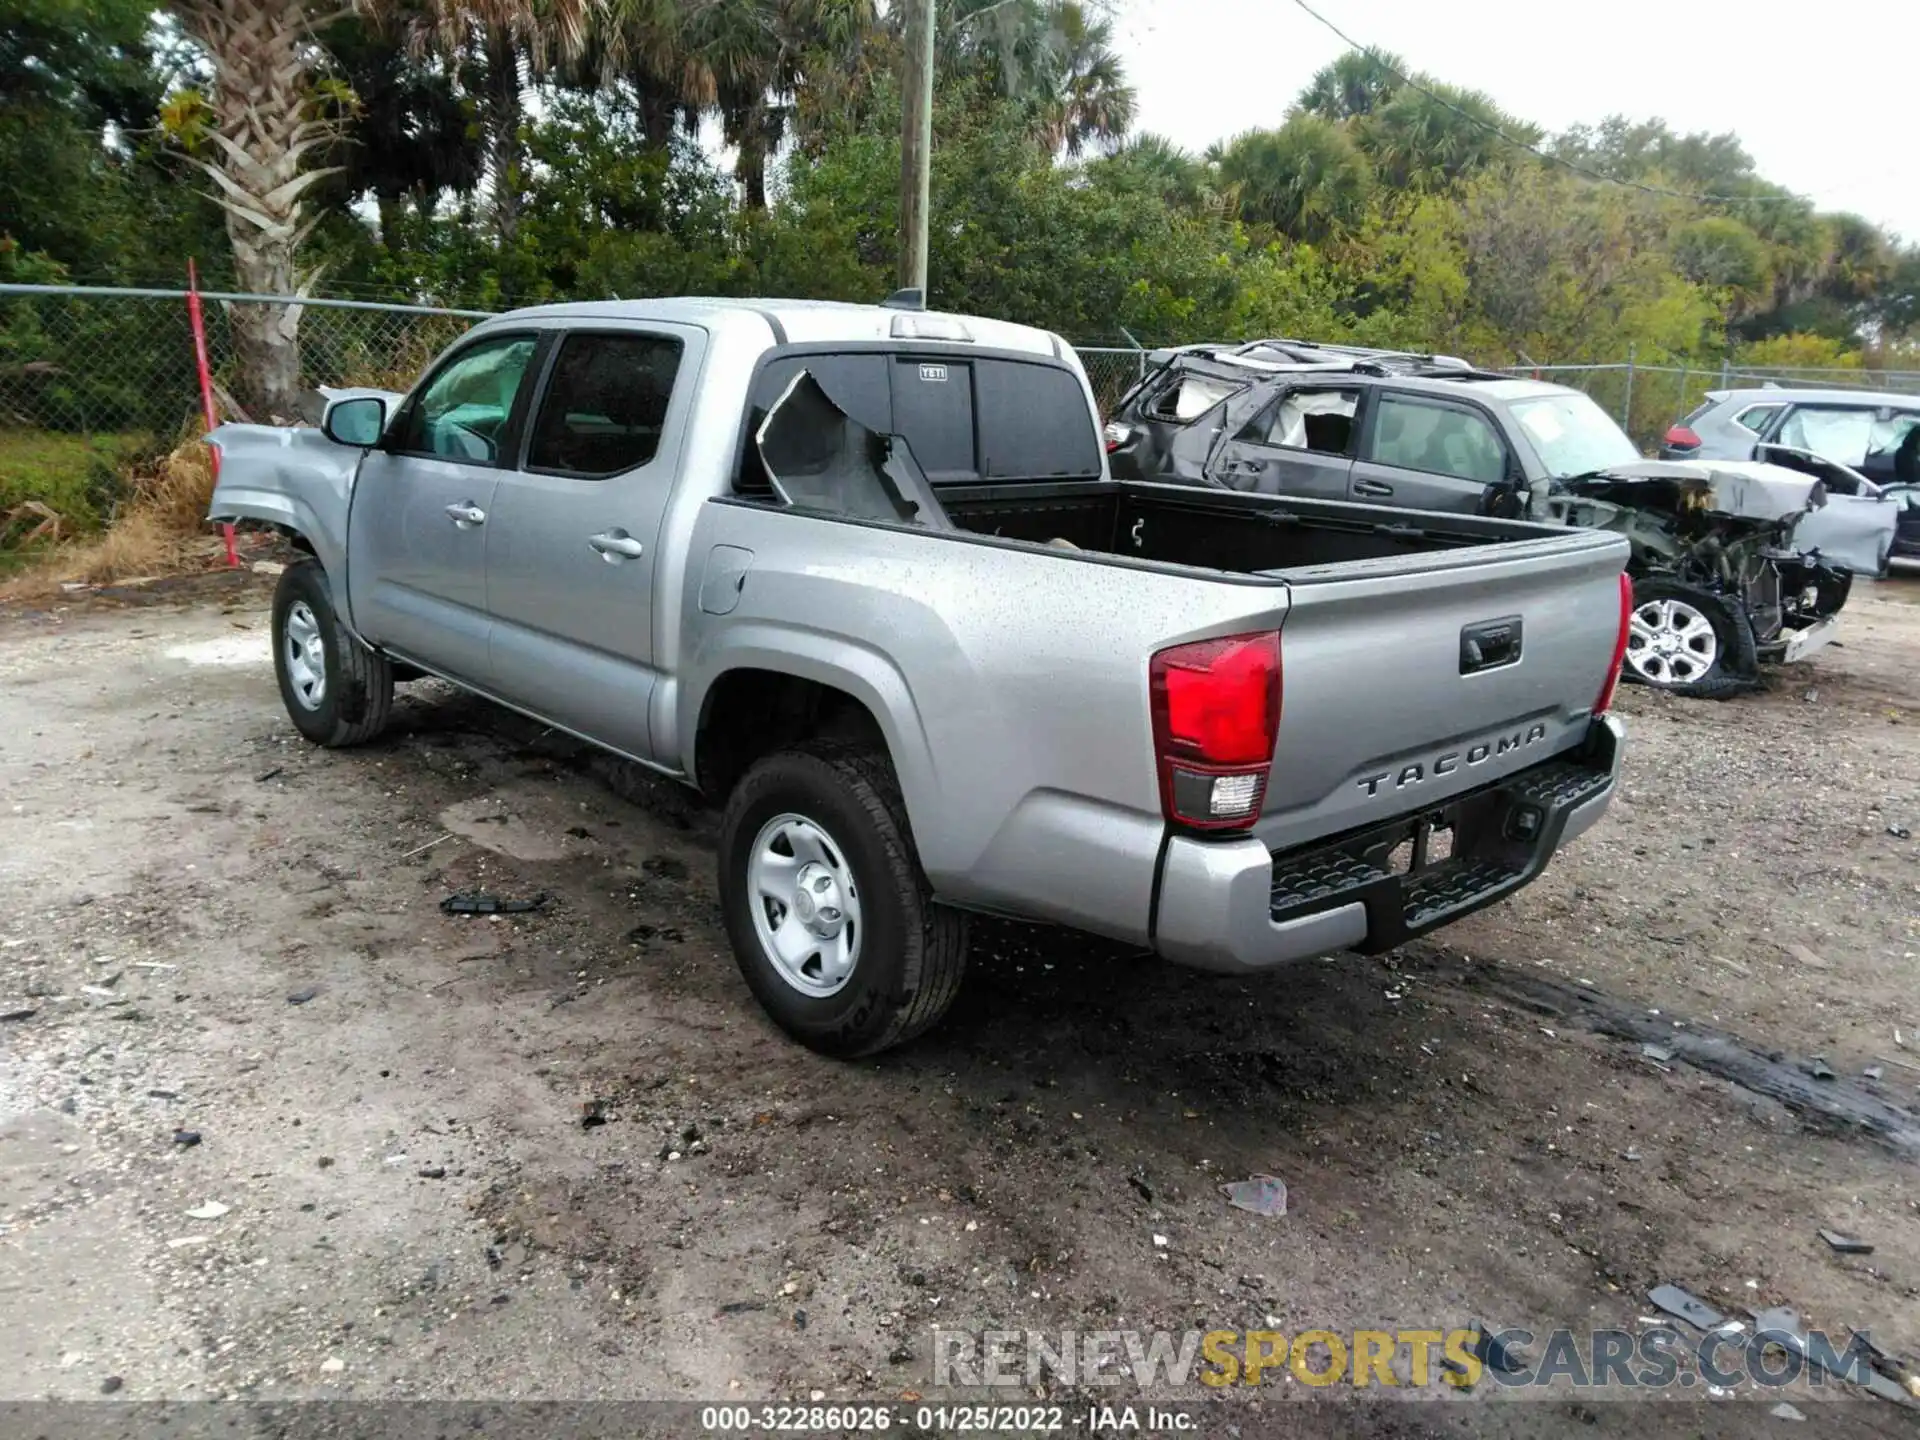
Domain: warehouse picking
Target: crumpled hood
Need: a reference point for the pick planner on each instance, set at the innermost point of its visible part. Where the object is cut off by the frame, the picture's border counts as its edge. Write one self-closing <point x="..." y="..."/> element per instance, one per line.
<point x="1847" y="532"/>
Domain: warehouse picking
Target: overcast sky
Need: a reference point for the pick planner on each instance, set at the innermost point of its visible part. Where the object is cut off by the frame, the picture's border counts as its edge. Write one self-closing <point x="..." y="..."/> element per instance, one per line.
<point x="1824" y="96"/>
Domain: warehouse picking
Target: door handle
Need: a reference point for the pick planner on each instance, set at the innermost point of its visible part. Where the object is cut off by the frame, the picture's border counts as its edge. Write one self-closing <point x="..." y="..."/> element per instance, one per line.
<point x="616" y="545"/>
<point x="1371" y="487"/>
<point x="466" y="514"/>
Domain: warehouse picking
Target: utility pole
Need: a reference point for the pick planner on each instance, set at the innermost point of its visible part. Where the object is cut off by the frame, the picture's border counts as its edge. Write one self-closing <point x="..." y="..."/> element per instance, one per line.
<point x="916" y="144"/>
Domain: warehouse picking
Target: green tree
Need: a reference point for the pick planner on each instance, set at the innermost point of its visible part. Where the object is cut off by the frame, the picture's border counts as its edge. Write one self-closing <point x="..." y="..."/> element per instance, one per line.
<point x="1308" y="179"/>
<point x="1720" y="253"/>
<point x="1428" y="138"/>
<point x="1357" y="83"/>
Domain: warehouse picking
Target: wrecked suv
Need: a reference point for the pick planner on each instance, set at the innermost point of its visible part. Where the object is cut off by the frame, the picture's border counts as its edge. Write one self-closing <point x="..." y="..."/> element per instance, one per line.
<point x="1733" y="563"/>
<point x="860" y="575"/>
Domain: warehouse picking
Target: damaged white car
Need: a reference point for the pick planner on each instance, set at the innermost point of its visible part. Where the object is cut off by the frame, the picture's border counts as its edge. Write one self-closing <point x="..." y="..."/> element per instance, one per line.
<point x="1734" y="562"/>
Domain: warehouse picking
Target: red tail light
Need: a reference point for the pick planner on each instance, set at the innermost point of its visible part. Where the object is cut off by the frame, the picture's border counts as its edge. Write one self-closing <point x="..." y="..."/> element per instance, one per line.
<point x="1605" y="700"/>
<point x="1216" y="718"/>
<point x="1681" y="438"/>
<point x="1116" y="435"/>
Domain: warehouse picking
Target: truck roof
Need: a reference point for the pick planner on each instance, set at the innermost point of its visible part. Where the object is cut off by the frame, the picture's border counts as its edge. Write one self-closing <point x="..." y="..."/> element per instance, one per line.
<point x="804" y="322"/>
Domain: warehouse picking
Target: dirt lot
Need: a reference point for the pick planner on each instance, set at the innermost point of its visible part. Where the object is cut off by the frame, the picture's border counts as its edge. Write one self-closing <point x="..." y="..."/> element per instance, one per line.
<point x="219" y="930"/>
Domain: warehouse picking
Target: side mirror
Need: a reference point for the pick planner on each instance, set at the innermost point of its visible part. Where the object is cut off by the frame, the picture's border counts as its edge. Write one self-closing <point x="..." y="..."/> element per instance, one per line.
<point x="358" y="421"/>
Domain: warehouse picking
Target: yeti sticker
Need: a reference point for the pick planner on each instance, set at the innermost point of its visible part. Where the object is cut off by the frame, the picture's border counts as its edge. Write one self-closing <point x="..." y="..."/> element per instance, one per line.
<point x="937" y="374"/>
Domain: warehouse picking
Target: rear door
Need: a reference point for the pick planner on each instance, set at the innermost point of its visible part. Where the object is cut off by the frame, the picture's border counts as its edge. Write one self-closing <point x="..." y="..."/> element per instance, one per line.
<point x="1301" y="443"/>
<point x="417" y="527"/>
<point x="1428" y="453"/>
<point x="1838" y="432"/>
<point x="571" y="549"/>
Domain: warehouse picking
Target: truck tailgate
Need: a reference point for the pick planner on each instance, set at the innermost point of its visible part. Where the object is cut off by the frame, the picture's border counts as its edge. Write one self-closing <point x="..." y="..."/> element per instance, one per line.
<point x="1408" y="681"/>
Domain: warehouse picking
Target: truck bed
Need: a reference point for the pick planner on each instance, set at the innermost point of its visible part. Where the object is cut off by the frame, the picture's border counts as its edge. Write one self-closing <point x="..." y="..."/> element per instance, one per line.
<point x="1225" y="530"/>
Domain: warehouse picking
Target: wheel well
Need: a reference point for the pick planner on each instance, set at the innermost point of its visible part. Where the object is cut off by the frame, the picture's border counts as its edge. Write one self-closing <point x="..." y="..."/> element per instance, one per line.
<point x="751" y="713"/>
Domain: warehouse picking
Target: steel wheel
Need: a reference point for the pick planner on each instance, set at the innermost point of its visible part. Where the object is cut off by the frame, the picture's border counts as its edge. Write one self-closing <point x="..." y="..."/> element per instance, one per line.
<point x="306" y="656"/>
<point x="806" y="906"/>
<point x="1669" y="642"/>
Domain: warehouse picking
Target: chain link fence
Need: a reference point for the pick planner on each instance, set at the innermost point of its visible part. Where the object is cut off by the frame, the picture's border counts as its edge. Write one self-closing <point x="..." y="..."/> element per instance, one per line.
<point x="102" y="362"/>
<point x="114" y="368"/>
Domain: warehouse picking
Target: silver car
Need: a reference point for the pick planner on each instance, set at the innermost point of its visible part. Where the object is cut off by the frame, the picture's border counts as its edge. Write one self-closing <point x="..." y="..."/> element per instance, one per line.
<point x="1877" y="435"/>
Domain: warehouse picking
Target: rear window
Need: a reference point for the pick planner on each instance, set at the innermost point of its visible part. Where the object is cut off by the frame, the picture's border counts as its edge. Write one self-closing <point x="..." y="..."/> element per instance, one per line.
<point x="967" y="418"/>
<point x="1189" y="397"/>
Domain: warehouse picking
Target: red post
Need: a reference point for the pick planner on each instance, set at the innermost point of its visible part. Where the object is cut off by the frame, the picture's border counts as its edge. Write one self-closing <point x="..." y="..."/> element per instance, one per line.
<point x="208" y="410"/>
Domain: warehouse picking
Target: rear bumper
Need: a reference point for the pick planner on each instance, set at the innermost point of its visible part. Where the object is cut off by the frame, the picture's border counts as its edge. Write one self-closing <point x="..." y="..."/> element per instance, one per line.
<point x="1236" y="907"/>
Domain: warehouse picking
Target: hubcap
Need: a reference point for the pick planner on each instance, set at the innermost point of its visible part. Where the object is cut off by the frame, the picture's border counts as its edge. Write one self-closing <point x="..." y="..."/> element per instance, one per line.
<point x="1670" y="643"/>
<point x="306" y="656"/>
<point x="806" y="907"/>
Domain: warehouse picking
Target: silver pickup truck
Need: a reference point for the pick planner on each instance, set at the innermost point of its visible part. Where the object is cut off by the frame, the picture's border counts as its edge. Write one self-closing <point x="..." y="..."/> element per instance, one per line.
<point x="859" y="573"/>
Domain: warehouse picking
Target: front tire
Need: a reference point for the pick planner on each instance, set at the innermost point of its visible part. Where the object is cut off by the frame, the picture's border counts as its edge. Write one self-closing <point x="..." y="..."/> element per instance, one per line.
<point x="336" y="690"/>
<point x="1689" y="641"/>
<point x="832" y="922"/>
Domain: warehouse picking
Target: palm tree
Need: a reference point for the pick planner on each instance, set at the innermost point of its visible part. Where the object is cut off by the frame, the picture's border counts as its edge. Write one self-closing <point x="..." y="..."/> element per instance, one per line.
<point x="1308" y="179"/>
<point x="1176" y="176"/>
<point x="263" y="129"/>
<point x="1054" y="58"/>
<point x="513" y="41"/>
<point x="1357" y="83"/>
<point x="1426" y="138"/>
<point x="1084" y="97"/>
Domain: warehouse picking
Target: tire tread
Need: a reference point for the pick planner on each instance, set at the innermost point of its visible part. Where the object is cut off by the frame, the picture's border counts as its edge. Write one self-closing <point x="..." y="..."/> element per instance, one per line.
<point x="936" y="950"/>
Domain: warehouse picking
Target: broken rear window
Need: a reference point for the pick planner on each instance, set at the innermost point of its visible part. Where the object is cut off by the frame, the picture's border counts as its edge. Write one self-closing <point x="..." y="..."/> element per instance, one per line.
<point x="1191" y="396"/>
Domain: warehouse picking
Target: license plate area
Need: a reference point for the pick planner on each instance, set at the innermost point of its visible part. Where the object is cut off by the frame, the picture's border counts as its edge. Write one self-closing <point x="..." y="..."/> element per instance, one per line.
<point x="1426" y="845"/>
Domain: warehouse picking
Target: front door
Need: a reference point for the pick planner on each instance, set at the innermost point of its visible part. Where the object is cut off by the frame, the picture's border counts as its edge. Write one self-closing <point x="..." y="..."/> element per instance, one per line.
<point x="1300" y="444"/>
<point x="1428" y="454"/>
<point x="417" y="527"/>
<point x="573" y="548"/>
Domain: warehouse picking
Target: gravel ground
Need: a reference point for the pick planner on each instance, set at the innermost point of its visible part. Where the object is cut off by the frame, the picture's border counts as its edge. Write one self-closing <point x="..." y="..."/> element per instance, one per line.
<point x="562" y="1156"/>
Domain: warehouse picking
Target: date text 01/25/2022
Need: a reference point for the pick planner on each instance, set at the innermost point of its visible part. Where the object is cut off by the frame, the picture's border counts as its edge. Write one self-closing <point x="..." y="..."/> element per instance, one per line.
<point x="944" y="1419"/>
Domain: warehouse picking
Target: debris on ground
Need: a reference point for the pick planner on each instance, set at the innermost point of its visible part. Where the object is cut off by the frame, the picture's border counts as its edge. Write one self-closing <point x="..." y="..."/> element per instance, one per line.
<point x="478" y="902"/>
<point x="1258" y="1194"/>
<point x="302" y="995"/>
<point x="428" y="846"/>
<point x="1807" y="958"/>
<point x="1874" y="1072"/>
<point x="665" y="867"/>
<point x="212" y="1210"/>
<point x="265" y="776"/>
<point x="23" y="1012"/>
<point x="592" y="1113"/>
<point x="1495" y="1353"/>
<point x="1677" y="1302"/>
<point x="1900" y="832"/>
<point x="1819" y="1069"/>
<point x="111" y="1385"/>
<point x="1659" y="1054"/>
<point x="433" y="1172"/>
<point x="1846" y="1244"/>
<point x="1781" y="1326"/>
<point x="186" y="1137"/>
<point x="1784" y="1411"/>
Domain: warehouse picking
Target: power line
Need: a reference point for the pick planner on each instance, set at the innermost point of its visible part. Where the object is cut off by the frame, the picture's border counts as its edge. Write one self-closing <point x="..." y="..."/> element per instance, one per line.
<point x="1536" y="151"/>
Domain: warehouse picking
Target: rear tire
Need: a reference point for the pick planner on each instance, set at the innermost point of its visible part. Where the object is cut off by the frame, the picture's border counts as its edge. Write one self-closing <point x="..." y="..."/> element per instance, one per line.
<point x="833" y="924"/>
<point x="336" y="690"/>
<point x="1689" y="641"/>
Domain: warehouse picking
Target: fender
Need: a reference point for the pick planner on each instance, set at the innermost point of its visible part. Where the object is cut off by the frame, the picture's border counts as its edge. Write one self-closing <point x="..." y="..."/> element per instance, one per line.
<point x="827" y="659"/>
